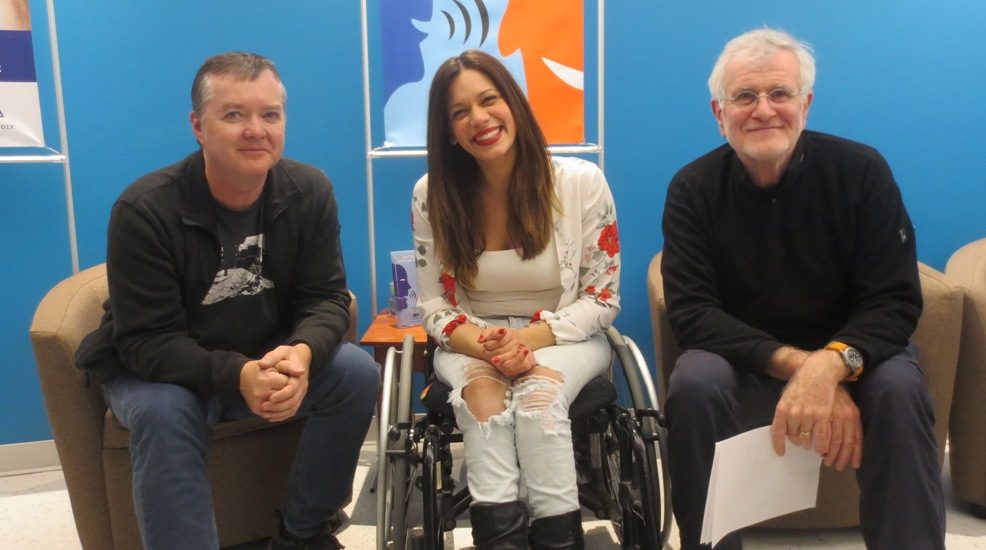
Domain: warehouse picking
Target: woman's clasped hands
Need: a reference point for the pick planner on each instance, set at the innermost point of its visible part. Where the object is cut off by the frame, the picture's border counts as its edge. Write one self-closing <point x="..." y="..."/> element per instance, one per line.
<point x="505" y="351"/>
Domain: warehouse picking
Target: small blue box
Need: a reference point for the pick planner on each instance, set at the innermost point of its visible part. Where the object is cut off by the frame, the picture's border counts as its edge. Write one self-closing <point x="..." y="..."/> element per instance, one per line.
<point x="404" y="302"/>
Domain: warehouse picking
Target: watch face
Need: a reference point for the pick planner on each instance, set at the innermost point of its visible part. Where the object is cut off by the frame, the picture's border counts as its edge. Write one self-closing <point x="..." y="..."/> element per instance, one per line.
<point x="853" y="358"/>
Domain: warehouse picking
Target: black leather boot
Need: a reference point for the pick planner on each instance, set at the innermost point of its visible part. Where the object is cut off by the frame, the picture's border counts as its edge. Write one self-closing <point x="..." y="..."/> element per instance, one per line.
<point x="499" y="526"/>
<point x="561" y="532"/>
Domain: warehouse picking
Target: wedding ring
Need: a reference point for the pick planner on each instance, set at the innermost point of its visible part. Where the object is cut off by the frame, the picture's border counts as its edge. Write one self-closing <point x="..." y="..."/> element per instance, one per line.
<point x="805" y="434"/>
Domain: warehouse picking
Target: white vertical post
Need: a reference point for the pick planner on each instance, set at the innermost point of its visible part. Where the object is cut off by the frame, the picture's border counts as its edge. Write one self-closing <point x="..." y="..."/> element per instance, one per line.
<point x="600" y="60"/>
<point x="367" y="129"/>
<point x="63" y="136"/>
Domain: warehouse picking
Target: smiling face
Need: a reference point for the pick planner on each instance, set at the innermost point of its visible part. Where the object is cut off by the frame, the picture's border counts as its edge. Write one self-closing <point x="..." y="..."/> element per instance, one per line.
<point x="764" y="134"/>
<point x="241" y="130"/>
<point x="481" y="121"/>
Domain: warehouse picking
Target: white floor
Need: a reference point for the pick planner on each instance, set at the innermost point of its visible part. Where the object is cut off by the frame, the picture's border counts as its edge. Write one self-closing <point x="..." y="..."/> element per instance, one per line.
<point x="36" y="514"/>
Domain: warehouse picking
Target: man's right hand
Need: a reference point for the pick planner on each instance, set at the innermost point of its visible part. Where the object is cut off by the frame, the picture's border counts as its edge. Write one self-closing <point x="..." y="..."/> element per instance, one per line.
<point x="258" y="384"/>
<point x="846" y="443"/>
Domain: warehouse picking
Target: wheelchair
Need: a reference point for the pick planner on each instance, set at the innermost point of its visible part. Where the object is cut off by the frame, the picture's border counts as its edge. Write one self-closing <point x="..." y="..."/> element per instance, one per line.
<point x="618" y="438"/>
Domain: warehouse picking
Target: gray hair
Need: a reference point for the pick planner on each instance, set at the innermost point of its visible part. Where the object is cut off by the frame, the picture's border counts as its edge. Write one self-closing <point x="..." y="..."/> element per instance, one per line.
<point x="759" y="45"/>
<point x="241" y="66"/>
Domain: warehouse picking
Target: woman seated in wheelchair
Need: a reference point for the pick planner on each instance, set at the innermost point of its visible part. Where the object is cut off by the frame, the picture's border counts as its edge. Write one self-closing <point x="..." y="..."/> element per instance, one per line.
<point x="518" y="267"/>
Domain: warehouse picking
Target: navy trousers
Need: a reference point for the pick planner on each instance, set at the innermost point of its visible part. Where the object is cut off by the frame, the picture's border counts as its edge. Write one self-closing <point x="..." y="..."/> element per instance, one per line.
<point x="901" y="506"/>
<point x="170" y="437"/>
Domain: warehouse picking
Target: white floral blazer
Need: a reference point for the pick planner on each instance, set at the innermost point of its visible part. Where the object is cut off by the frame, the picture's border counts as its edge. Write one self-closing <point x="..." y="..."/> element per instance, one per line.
<point x="588" y="249"/>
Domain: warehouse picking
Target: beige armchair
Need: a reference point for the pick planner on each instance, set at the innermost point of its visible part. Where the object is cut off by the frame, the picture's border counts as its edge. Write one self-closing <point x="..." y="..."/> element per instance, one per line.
<point x="967" y="439"/>
<point x="937" y="337"/>
<point x="93" y="446"/>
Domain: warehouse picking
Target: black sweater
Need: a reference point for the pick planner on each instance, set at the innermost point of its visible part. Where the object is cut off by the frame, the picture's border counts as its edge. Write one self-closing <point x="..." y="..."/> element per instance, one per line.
<point x="162" y="257"/>
<point x="826" y="254"/>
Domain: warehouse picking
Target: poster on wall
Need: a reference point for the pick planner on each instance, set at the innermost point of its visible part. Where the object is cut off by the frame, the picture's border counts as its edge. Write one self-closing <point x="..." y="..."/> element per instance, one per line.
<point x="20" y="109"/>
<point x="540" y="42"/>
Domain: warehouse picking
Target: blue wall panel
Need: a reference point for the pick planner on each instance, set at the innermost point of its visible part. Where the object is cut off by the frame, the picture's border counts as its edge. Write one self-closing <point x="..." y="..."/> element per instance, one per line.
<point x="35" y="256"/>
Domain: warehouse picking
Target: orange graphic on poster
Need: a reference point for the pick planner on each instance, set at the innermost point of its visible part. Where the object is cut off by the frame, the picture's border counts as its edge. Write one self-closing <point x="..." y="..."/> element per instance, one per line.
<point x="549" y="34"/>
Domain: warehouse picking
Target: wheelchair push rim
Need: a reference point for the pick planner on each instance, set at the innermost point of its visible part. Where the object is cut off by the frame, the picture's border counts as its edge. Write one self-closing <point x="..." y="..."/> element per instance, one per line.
<point x="395" y="478"/>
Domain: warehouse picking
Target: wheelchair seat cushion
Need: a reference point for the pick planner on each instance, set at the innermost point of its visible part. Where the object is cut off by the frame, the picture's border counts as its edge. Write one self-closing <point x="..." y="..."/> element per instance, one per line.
<point x="595" y="395"/>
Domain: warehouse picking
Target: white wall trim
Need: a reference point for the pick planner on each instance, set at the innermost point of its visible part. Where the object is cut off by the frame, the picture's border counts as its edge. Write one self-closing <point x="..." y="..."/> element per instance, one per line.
<point x="33" y="456"/>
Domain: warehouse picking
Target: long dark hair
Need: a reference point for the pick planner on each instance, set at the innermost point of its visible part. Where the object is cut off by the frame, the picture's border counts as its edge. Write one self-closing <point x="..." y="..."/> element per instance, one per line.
<point x="454" y="175"/>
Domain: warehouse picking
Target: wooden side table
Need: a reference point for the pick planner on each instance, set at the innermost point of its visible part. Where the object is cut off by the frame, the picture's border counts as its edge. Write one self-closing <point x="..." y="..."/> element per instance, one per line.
<point x="383" y="333"/>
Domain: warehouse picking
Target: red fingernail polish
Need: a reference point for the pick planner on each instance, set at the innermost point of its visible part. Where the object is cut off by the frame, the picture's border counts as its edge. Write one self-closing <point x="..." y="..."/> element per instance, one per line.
<point x="525" y="353"/>
<point x="496" y="359"/>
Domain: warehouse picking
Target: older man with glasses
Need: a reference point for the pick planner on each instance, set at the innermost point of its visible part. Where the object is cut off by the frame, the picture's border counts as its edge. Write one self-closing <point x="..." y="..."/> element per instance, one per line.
<point x="791" y="281"/>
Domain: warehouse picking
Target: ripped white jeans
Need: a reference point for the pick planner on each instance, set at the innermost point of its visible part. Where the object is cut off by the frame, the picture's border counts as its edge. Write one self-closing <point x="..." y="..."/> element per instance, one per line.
<point x="531" y="440"/>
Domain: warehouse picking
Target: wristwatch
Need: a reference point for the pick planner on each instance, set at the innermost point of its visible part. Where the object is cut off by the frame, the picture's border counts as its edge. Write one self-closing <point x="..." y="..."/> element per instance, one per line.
<point x="850" y="356"/>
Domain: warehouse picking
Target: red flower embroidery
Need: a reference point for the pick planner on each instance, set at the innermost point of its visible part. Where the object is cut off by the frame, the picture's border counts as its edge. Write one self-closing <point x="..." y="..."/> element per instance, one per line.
<point x="591" y="289"/>
<point x="537" y="316"/>
<point x="448" y="283"/>
<point x="605" y="294"/>
<point x="459" y="319"/>
<point x="612" y="269"/>
<point x="609" y="240"/>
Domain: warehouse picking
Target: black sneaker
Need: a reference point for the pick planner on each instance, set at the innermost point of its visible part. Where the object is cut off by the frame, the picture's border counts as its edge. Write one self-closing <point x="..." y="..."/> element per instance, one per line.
<point x="323" y="540"/>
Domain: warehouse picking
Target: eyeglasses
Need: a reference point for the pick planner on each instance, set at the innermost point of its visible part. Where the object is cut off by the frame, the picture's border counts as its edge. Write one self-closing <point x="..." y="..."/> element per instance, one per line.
<point x="749" y="98"/>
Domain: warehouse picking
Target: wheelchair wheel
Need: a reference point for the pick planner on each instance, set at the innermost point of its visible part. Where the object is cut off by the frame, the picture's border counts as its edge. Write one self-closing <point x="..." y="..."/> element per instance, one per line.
<point x="631" y="474"/>
<point x="431" y="483"/>
<point x="633" y="469"/>
<point x="394" y="475"/>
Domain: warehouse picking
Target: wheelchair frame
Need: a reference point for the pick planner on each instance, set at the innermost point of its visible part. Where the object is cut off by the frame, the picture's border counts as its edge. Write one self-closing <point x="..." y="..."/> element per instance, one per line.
<point x="617" y="450"/>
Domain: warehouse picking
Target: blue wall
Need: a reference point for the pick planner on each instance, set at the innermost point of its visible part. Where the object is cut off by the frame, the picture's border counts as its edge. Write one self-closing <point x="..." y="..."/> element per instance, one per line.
<point x="905" y="76"/>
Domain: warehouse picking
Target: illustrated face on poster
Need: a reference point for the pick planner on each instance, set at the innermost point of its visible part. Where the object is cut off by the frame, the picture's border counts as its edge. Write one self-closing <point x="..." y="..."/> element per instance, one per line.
<point x="20" y="110"/>
<point x="540" y="42"/>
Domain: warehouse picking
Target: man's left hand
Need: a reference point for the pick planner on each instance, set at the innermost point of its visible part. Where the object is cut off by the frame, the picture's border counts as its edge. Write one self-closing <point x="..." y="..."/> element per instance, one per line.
<point x="295" y="362"/>
<point x="804" y="412"/>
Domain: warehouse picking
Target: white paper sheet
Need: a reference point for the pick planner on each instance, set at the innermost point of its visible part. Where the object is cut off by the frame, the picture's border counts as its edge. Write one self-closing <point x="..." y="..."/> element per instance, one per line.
<point x="750" y="483"/>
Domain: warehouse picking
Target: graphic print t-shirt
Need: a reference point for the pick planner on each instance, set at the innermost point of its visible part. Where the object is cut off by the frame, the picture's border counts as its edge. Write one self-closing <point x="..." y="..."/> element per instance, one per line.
<point x="241" y="303"/>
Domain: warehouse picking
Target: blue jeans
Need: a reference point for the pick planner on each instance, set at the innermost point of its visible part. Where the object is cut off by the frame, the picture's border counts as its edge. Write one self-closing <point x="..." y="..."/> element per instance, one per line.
<point x="171" y="434"/>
